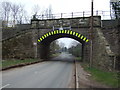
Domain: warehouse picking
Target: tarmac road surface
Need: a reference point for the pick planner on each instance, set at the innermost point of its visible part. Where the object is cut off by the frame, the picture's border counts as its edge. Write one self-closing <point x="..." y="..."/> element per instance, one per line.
<point x="56" y="73"/>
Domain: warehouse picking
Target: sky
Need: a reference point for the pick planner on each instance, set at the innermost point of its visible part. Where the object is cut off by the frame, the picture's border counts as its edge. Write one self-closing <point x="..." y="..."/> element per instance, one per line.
<point x="64" y="6"/>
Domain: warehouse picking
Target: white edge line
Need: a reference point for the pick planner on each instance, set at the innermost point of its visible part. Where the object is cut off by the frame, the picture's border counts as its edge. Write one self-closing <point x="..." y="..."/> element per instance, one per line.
<point x="77" y="82"/>
<point x="4" y="86"/>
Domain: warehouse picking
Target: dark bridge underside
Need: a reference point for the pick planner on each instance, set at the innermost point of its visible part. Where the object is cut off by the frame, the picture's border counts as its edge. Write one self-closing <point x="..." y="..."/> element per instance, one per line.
<point x="44" y="45"/>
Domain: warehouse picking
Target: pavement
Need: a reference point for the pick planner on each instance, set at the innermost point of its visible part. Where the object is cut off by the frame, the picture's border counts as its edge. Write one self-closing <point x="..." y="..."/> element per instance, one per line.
<point x="56" y="73"/>
<point x="85" y="80"/>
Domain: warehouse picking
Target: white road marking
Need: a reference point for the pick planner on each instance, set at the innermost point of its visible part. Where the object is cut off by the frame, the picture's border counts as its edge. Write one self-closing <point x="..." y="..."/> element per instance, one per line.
<point x="4" y="86"/>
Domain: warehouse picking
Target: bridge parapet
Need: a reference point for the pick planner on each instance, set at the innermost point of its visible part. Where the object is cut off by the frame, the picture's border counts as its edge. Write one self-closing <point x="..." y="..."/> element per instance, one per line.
<point x="66" y="22"/>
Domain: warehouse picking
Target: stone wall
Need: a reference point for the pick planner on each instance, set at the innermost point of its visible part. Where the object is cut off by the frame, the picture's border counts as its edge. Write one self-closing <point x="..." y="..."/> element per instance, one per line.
<point x="19" y="47"/>
<point x="66" y="22"/>
<point x="111" y="31"/>
<point x="109" y="23"/>
<point x="9" y="32"/>
<point x="111" y="35"/>
<point x="103" y="57"/>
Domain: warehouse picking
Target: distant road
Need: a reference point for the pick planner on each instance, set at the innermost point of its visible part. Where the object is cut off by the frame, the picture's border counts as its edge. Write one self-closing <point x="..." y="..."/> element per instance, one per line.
<point x="49" y="74"/>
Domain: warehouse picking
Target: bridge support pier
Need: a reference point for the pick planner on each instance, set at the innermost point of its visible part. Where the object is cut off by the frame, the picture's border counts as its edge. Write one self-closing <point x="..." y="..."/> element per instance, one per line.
<point x="44" y="51"/>
<point x="82" y="56"/>
<point x="34" y="42"/>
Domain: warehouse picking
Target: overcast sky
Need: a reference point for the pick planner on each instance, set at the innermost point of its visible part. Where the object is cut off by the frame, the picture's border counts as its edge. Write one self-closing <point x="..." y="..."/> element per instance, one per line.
<point x="64" y="6"/>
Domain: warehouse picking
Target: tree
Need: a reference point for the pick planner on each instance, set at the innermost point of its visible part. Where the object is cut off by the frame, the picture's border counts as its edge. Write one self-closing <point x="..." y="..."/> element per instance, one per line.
<point x="64" y="49"/>
<point x="26" y="18"/>
<point x="45" y="13"/>
<point x="13" y="12"/>
<point x="15" y="9"/>
<point x="6" y="8"/>
<point x="54" y="46"/>
<point x="74" y="43"/>
<point x="21" y="14"/>
<point x="48" y="12"/>
<point x="61" y="44"/>
<point x="76" y="50"/>
<point x="36" y="9"/>
<point x="116" y="8"/>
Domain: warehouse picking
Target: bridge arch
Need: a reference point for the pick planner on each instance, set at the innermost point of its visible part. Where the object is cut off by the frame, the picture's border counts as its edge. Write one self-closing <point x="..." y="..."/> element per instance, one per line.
<point x="52" y="35"/>
<point x="45" y="40"/>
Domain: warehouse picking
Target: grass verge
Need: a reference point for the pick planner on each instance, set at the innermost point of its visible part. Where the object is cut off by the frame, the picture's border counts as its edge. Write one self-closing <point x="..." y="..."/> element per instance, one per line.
<point x="55" y="55"/>
<point x="108" y="78"/>
<point x="8" y="63"/>
<point x="78" y="58"/>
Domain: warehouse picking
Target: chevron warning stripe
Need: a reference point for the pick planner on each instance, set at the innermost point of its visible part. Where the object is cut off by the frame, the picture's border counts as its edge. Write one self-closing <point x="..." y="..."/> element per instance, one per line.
<point x="73" y="33"/>
<point x="49" y="33"/>
<point x="82" y="37"/>
<point x="70" y="32"/>
<point x="76" y="34"/>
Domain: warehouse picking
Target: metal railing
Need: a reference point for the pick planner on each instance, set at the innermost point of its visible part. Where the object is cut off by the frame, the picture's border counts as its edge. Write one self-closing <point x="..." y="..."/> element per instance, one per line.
<point x="104" y="15"/>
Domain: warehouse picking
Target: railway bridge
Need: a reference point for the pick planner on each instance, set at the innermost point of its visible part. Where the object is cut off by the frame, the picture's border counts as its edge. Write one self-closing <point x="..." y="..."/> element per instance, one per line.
<point x="34" y="42"/>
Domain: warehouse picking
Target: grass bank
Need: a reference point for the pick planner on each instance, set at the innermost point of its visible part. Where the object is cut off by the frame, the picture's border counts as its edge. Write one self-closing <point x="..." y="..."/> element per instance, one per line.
<point x="55" y="54"/>
<point x="108" y="78"/>
<point x="78" y="58"/>
<point x="9" y="63"/>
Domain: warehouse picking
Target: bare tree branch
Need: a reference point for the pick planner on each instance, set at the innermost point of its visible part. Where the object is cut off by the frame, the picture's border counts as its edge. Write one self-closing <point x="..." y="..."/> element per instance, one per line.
<point x="48" y="12"/>
<point x="36" y="9"/>
<point x="21" y="14"/>
<point x="6" y="8"/>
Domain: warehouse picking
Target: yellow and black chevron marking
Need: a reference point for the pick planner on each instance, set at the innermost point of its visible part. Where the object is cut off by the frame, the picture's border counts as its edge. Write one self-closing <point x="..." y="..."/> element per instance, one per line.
<point x="64" y="32"/>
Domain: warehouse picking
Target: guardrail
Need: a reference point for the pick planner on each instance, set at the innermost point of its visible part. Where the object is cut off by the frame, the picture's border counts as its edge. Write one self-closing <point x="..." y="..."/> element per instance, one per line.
<point x="104" y="15"/>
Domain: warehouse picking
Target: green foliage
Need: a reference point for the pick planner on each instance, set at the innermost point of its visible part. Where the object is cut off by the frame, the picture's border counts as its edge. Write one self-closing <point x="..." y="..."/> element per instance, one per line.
<point x="78" y="58"/>
<point x="76" y="50"/>
<point x="55" y="55"/>
<point x="64" y="49"/>
<point x="107" y="78"/>
<point x="54" y="47"/>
